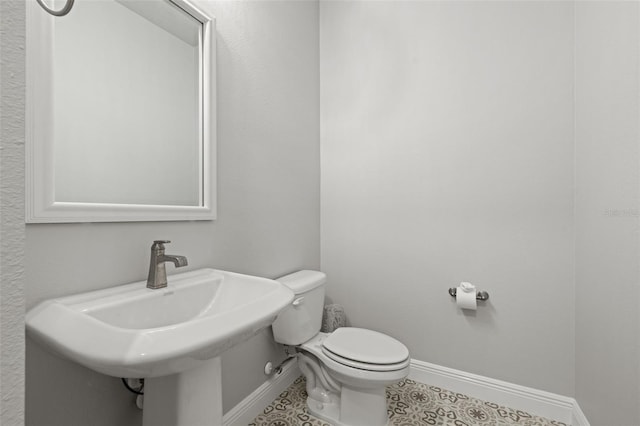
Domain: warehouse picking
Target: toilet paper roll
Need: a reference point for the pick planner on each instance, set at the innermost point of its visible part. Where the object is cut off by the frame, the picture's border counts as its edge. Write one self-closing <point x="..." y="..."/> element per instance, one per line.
<point x="466" y="296"/>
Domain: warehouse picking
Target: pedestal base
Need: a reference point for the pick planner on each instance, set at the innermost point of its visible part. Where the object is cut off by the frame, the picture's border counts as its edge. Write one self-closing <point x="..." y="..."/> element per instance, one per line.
<point x="190" y="398"/>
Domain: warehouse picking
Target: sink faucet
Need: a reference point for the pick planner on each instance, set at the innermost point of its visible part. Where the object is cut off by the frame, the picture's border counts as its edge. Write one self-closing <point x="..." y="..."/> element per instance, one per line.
<point x="157" y="272"/>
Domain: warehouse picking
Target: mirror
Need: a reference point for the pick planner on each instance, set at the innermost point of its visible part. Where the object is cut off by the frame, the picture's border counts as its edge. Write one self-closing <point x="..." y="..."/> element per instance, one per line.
<point x="120" y="104"/>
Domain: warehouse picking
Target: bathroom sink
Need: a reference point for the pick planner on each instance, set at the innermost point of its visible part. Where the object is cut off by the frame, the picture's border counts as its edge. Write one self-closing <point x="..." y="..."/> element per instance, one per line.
<point x="133" y="331"/>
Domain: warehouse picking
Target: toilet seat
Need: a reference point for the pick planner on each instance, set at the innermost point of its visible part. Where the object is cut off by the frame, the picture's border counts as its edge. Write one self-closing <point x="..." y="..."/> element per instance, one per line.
<point x="363" y="365"/>
<point x="365" y="349"/>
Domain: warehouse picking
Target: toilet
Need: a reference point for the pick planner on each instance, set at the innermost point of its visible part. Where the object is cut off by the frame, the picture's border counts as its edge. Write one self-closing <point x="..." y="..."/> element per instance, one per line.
<point x="346" y="370"/>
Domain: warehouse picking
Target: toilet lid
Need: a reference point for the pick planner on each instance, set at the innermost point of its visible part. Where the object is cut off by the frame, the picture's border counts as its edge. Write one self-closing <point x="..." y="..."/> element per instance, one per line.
<point x="365" y="346"/>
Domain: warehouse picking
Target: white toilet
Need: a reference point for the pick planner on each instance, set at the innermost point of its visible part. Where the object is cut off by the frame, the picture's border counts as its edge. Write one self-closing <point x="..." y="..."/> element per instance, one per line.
<point x="346" y="370"/>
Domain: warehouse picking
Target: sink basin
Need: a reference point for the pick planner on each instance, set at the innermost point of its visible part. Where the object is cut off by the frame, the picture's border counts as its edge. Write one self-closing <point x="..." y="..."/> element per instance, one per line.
<point x="132" y="331"/>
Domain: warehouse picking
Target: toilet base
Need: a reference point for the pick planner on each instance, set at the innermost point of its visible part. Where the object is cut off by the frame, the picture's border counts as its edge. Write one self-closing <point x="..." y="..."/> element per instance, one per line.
<point x="356" y="407"/>
<point x="327" y="411"/>
<point x="363" y="406"/>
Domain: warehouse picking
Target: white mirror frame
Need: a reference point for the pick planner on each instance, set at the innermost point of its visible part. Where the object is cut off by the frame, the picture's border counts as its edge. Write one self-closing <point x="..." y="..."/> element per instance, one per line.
<point x="41" y="206"/>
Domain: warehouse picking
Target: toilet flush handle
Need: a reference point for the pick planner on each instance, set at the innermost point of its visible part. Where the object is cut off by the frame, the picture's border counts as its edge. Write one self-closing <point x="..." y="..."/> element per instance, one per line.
<point x="297" y="301"/>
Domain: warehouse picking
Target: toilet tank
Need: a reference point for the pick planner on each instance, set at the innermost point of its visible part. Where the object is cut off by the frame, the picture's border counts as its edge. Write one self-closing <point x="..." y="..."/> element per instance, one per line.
<point x="302" y="319"/>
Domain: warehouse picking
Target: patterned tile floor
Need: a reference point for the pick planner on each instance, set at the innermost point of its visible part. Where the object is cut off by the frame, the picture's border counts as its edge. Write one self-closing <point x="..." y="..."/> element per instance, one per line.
<point x="409" y="403"/>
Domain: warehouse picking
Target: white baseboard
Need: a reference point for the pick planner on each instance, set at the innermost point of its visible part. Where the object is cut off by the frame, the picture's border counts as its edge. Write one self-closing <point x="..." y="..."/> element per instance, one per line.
<point x="244" y="413"/>
<point x="533" y="401"/>
<point x="577" y="416"/>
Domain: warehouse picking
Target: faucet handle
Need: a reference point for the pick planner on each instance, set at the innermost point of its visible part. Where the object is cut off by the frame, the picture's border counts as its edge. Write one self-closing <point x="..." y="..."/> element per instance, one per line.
<point x="159" y="244"/>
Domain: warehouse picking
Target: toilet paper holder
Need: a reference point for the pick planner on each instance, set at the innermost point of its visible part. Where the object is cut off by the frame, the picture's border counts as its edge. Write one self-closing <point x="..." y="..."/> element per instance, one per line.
<point x="481" y="295"/>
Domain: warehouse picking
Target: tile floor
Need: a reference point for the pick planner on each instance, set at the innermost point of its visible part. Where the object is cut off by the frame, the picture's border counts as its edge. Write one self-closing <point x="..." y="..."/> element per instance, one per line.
<point x="409" y="403"/>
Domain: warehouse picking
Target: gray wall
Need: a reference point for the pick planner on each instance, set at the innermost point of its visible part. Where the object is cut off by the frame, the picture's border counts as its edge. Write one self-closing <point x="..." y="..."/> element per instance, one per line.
<point x="447" y="156"/>
<point x="268" y="216"/>
<point x="12" y="301"/>
<point x="607" y="212"/>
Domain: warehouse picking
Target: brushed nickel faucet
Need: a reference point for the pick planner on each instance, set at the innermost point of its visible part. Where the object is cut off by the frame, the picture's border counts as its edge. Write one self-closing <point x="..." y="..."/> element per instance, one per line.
<point x="157" y="272"/>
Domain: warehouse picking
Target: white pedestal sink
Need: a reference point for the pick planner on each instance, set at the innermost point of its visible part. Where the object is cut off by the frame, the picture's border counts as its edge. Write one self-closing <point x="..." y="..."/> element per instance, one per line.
<point x="172" y="337"/>
<point x="190" y="398"/>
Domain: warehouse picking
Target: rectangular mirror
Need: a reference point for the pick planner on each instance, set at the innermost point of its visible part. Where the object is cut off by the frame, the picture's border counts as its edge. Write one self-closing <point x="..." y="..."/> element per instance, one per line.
<point x="120" y="107"/>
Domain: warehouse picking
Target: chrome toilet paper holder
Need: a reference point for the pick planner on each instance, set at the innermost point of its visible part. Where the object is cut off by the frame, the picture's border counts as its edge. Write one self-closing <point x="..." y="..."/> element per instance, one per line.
<point x="480" y="295"/>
